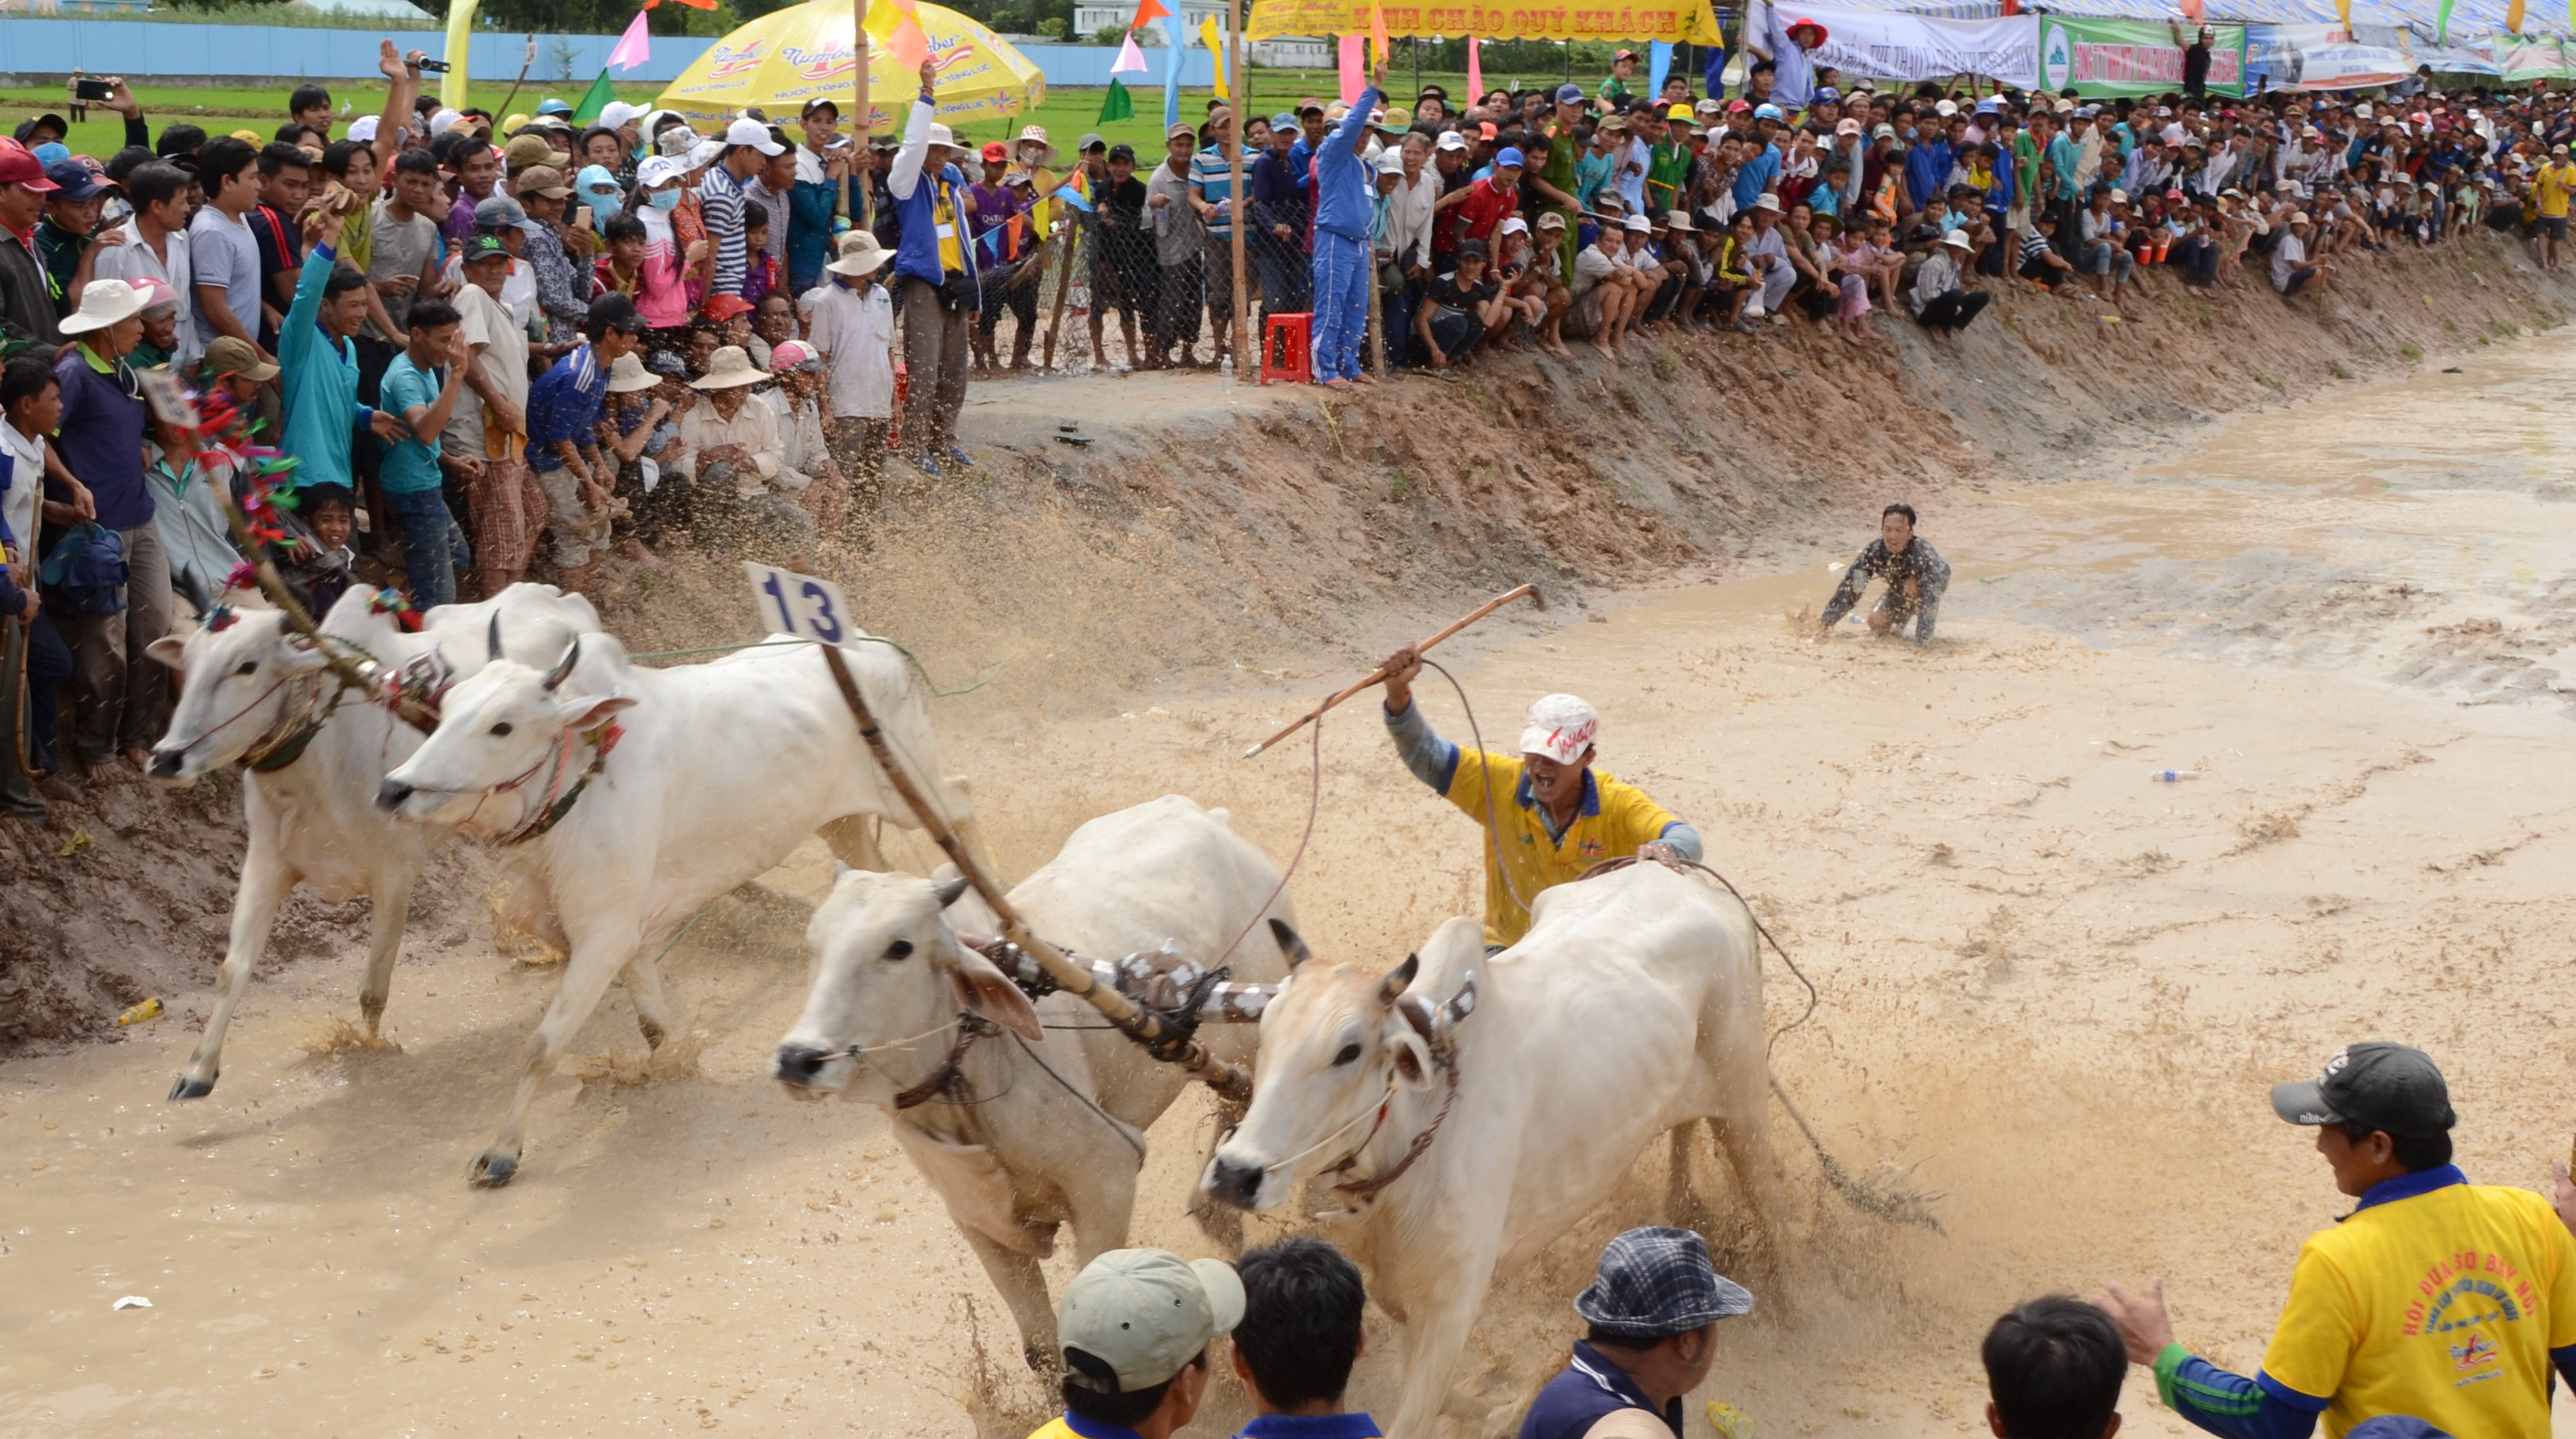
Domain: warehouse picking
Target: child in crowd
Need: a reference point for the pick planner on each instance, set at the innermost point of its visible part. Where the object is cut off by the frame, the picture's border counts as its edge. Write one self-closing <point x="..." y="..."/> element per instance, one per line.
<point x="638" y="409"/>
<point x="2053" y="1371"/>
<point x="760" y="273"/>
<point x="1298" y="1338"/>
<point x="621" y="270"/>
<point x="316" y="563"/>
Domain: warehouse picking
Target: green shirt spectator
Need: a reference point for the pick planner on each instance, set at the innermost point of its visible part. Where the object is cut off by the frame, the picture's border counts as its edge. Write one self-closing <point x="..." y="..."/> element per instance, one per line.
<point x="410" y="466"/>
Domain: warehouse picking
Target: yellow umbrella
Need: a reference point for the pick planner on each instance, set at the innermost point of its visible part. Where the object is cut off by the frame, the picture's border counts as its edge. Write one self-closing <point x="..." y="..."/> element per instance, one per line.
<point x="804" y="52"/>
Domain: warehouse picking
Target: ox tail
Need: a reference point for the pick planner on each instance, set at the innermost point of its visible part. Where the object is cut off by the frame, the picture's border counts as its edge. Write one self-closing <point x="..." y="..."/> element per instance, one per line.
<point x="1886" y="1197"/>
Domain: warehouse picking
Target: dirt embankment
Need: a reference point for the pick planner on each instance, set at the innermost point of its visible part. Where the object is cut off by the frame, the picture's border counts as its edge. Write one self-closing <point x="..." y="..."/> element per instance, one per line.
<point x="1224" y="537"/>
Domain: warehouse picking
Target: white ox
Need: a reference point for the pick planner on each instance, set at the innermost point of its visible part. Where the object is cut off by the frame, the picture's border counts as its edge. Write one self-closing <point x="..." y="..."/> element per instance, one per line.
<point x="643" y="794"/>
<point x="1632" y="1007"/>
<point x="254" y="695"/>
<point x="1023" y="1137"/>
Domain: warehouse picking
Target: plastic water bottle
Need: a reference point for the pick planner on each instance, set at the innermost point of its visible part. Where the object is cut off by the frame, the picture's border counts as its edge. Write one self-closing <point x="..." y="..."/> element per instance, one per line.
<point x="1225" y="376"/>
<point x="2171" y="776"/>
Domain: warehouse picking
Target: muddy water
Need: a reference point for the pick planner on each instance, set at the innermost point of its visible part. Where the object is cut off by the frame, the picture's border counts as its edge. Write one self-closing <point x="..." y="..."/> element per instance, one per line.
<point x="2052" y="988"/>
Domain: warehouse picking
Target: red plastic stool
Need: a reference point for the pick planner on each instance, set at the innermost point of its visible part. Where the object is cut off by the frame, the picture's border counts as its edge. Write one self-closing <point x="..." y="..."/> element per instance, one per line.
<point x="1298" y="366"/>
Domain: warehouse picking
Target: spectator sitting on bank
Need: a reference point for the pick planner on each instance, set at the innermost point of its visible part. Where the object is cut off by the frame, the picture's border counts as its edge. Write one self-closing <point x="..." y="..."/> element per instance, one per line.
<point x="2053" y="1371"/>
<point x="1653" y="1309"/>
<point x="1135" y="1325"/>
<point x="1299" y="1336"/>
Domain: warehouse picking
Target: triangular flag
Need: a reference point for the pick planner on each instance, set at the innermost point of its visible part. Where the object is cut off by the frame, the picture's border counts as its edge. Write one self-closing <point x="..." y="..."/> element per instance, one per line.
<point x="634" y="47"/>
<point x="2343" y="15"/>
<point x="1176" y="42"/>
<point x="1659" y="62"/>
<point x="1067" y="191"/>
<point x="2512" y="16"/>
<point x="1377" y="32"/>
<point x="1352" y="81"/>
<point x="1118" y="106"/>
<point x="898" y="24"/>
<point x="2193" y="10"/>
<point x="1149" y="10"/>
<point x="2442" y="24"/>
<point x="596" y="98"/>
<point x="1214" y="39"/>
<point x="1131" y="57"/>
<point x="1476" y="70"/>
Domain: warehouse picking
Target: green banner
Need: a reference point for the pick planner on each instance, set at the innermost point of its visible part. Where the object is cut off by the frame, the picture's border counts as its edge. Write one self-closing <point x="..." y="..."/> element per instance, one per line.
<point x="2131" y="57"/>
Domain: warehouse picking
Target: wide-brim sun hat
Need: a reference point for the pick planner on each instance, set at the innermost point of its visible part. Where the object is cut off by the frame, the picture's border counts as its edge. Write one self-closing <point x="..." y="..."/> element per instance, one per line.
<point x="730" y="369"/>
<point x="103" y="303"/>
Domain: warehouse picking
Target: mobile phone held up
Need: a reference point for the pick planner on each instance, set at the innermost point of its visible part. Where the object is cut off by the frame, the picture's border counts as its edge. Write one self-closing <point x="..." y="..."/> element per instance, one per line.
<point x="93" y="90"/>
<point x="433" y="67"/>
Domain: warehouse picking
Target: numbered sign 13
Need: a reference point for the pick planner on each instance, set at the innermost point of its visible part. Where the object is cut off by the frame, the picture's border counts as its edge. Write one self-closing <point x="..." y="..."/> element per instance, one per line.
<point x="805" y="606"/>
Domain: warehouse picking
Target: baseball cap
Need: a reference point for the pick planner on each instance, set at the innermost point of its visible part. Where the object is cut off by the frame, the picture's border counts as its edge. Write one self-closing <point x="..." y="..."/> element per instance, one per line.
<point x="526" y="150"/>
<point x="19" y="166"/>
<point x="2386" y="1086"/>
<point x="1452" y="140"/>
<point x="1089" y="143"/>
<point x="231" y="356"/>
<point x="484" y="247"/>
<point x="819" y="102"/>
<point x="618" y="112"/>
<point x="1133" y="1318"/>
<point x="553" y="105"/>
<point x="655" y="170"/>
<point x="544" y="180"/>
<point x="1508" y="156"/>
<point x="500" y="210"/>
<point x="1390" y="161"/>
<point x="1638" y="224"/>
<point x="1562" y="726"/>
<point x="363" y="129"/>
<point x="754" y="134"/>
<point x="73" y="181"/>
<point x="995" y="152"/>
<point x="1569" y="94"/>
<point x="1178" y="131"/>
<point x="1284" y="120"/>
<point x="1467" y="248"/>
<point x="1551" y="221"/>
<point x="1656" y="1282"/>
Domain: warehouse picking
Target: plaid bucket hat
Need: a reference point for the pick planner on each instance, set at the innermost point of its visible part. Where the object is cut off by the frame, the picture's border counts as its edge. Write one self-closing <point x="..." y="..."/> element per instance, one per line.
<point x="1657" y="1282"/>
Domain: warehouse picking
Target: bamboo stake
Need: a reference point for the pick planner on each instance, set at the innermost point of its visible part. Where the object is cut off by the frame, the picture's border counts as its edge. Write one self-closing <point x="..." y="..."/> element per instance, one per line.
<point x="1376" y="675"/>
<point x="1238" y="96"/>
<point x="1063" y="287"/>
<point x="862" y="163"/>
<point x="1139" y="1024"/>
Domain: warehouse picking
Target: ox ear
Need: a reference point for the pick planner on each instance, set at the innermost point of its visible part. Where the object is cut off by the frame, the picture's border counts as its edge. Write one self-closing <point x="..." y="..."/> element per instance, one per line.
<point x="1397" y="981"/>
<point x="950" y="891"/>
<point x="592" y="711"/>
<point x="1408" y="1059"/>
<point x="983" y="991"/>
<point x="169" y="650"/>
<point x="1291" y="943"/>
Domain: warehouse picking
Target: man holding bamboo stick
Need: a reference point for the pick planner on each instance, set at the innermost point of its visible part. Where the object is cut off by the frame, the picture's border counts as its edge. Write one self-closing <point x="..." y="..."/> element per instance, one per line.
<point x="1551" y="816"/>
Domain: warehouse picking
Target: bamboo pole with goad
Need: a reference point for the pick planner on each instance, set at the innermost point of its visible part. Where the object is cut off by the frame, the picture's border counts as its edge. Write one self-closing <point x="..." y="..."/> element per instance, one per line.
<point x="1137" y="1023"/>
<point x="1235" y="96"/>
<point x="1378" y="675"/>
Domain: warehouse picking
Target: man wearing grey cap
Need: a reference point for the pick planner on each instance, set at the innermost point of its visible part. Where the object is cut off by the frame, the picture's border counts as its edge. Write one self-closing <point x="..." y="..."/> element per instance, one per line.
<point x="1134" y="1327"/>
<point x="2435" y="1299"/>
<point x="1653" y="1309"/>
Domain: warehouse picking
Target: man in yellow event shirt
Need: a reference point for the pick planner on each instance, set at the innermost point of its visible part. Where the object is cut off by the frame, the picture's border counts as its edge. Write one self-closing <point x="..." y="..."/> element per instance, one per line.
<point x="1549" y="814"/>
<point x="2550" y="188"/>
<point x="2435" y="1299"/>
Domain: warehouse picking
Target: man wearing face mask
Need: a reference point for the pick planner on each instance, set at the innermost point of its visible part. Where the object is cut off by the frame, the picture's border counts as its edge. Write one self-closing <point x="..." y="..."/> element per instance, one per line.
<point x="1549" y="815"/>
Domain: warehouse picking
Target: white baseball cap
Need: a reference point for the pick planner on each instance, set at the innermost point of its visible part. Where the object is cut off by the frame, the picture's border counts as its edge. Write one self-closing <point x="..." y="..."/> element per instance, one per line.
<point x="1452" y="140"/>
<point x="618" y="112"/>
<point x="755" y="134"/>
<point x="363" y="128"/>
<point x="656" y="169"/>
<point x="1562" y="727"/>
<point x="1143" y="1314"/>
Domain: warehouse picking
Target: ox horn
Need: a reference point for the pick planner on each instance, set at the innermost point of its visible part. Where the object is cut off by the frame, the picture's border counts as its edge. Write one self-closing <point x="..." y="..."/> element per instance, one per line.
<point x="492" y="637"/>
<point x="949" y="891"/>
<point x="1291" y="943"/>
<point x="1461" y="1004"/>
<point x="1398" y="980"/>
<point x="563" y="667"/>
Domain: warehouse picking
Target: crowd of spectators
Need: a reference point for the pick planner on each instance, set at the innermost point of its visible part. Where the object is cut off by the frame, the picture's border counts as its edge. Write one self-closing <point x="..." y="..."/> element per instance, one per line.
<point x="498" y="349"/>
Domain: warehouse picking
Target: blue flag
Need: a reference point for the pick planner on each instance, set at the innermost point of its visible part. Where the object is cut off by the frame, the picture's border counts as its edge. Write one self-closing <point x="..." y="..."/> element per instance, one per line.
<point x="1659" y="63"/>
<point x="1177" y="39"/>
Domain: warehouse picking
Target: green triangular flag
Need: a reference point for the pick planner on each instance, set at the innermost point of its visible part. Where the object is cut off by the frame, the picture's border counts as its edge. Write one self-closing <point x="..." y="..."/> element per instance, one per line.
<point x="596" y="99"/>
<point x="1117" y="106"/>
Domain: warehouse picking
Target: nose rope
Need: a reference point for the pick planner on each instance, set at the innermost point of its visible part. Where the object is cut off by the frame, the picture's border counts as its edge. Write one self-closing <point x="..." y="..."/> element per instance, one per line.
<point x="1384" y="1104"/>
<point x="260" y="699"/>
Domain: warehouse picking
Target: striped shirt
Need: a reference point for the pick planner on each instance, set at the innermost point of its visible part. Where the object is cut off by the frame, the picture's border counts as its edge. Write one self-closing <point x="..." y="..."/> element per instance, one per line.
<point x="1212" y="179"/>
<point x="721" y="201"/>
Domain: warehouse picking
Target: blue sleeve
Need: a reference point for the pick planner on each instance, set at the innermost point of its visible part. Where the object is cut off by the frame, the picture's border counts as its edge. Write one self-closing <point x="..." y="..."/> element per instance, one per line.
<point x="1685" y="841"/>
<point x="2231" y="1405"/>
<point x="1355" y="124"/>
<point x="1433" y="760"/>
<point x="295" y="332"/>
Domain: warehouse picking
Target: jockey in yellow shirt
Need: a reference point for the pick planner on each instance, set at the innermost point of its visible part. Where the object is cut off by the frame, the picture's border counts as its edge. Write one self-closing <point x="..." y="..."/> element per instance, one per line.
<point x="1549" y="815"/>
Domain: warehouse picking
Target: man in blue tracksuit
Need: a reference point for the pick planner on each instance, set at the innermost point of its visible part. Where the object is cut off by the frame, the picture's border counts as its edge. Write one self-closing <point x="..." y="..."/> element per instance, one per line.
<point x="1345" y="202"/>
<point x="935" y="282"/>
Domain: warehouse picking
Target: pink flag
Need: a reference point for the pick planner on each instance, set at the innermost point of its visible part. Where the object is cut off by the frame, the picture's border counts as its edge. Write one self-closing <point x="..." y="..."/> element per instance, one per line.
<point x="634" y="47"/>
<point x="1129" y="57"/>
<point x="1353" y="76"/>
<point x="1475" y="73"/>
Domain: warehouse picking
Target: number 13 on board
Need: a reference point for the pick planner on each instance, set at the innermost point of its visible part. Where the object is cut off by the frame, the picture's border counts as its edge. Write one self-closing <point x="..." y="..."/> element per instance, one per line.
<point x="801" y="605"/>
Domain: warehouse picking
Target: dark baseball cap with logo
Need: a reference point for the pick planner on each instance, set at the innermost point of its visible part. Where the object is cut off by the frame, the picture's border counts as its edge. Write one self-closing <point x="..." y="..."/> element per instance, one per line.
<point x="2386" y="1086"/>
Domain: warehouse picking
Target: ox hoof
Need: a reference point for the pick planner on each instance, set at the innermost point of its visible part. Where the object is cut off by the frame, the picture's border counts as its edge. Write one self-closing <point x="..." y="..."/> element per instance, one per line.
<point x="185" y="1088"/>
<point x="491" y="1171"/>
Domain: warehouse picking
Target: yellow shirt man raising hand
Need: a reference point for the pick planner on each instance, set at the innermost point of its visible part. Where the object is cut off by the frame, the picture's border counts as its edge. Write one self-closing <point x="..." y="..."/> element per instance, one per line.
<point x="1548" y="815"/>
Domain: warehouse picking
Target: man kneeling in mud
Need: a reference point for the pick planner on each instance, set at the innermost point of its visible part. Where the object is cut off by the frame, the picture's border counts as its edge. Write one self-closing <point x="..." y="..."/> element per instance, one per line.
<point x="1915" y="574"/>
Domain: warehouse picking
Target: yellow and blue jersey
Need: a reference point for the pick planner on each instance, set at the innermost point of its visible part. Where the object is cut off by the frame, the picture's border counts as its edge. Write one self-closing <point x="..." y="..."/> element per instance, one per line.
<point x="1526" y="852"/>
